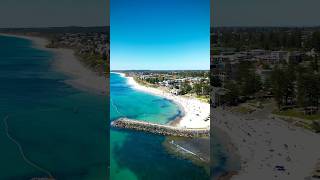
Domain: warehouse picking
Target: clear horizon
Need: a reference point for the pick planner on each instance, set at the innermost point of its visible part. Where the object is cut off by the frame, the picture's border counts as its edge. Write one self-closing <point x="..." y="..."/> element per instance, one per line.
<point x="160" y="34"/>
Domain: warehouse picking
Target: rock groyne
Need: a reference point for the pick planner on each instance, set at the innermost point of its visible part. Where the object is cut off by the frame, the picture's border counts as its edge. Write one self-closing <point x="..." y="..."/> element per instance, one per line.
<point x="165" y="130"/>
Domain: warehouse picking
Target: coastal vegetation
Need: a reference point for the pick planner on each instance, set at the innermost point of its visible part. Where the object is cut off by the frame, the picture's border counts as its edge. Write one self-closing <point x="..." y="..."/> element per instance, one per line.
<point x="246" y="84"/>
<point x="301" y="39"/>
<point x="190" y="83"/>
<point x="279" y="64"/>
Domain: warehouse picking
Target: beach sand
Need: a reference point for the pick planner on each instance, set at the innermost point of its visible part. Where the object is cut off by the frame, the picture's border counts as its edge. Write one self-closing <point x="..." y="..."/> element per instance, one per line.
<point x="67" y="63"/>
<point x="264" y="143"/>
<point x="195" y="112"/>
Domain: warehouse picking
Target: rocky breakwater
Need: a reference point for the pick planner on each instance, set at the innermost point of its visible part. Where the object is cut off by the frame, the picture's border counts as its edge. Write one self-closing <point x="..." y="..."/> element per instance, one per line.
<point x="165" y="130"/>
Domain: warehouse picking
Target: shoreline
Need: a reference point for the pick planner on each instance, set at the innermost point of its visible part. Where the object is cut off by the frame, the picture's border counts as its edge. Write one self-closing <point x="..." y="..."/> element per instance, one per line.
<point x="64" y="61"/>
<point x="194" y="112"/>
<point x="194" y="149"/>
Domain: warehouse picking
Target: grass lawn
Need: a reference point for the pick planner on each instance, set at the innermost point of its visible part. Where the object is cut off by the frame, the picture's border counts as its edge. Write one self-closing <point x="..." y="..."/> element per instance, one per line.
<point x="205" y="99"/>
<point x="297" y="114"/>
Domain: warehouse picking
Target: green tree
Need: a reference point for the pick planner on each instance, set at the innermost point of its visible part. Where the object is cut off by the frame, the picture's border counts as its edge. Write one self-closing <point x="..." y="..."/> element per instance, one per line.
<point x="232" y="94"/>
<point x="185" y="88"/>
<point x="277" y="83"/>
<point x="206" y="88"/>
<point x="247" y="79"/>
<point x="282" y="83"/>
<point x="309" y="89"/>
<point x="197" y="88"/>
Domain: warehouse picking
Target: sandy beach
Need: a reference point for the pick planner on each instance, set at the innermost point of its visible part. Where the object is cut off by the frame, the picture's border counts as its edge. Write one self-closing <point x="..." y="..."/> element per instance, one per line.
<point x="67" y="63"/>
<point x="269" y="146"/>
<point x="195" y="111"/>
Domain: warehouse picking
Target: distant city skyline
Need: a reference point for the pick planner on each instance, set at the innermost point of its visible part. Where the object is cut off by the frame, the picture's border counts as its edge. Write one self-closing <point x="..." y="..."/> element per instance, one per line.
<point x="279" y="13"/>
<point x="160" y="34"/>
<point x="53" y="13"/>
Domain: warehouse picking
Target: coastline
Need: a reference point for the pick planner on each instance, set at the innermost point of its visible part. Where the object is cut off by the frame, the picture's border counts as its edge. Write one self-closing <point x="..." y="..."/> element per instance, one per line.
<point x="194" y="149"/>
<point x="194" y="112"/>
<point x="66" y="62"/>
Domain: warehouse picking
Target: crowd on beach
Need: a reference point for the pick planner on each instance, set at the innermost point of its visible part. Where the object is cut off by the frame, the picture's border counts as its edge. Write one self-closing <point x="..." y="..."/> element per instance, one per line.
<point x="267" y="146"/>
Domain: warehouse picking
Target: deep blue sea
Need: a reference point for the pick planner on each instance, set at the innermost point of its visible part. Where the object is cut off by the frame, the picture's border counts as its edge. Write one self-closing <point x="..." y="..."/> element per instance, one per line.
<point x="60" y="129"/>
<point x="138" y="155"/>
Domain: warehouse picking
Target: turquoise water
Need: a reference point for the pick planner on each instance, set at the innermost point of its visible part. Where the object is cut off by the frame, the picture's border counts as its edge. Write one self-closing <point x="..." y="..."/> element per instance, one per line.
<point x="137" y="155"/>
<point x="59" y="128"/>
<point x="64" y="130"/>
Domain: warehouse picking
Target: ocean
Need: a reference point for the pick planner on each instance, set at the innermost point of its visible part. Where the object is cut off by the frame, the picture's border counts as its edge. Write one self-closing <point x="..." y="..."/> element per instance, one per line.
<point x="142" y="156"/>
<point x="47" y="126"/>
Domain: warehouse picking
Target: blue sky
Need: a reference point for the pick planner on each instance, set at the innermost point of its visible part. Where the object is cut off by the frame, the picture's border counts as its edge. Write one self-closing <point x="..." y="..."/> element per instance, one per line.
<point x="159" y="34"/>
